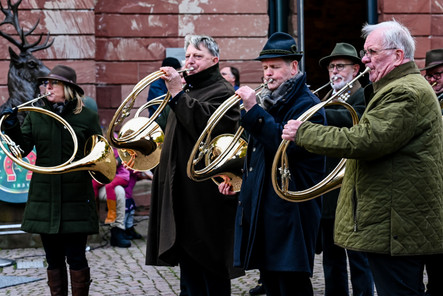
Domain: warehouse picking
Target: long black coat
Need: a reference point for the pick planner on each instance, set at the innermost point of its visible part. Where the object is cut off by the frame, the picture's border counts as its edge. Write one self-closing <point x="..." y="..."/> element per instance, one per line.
<point x="188" y="215"/>
<point x="60" y="203"/>
<point x="272" y="233"/>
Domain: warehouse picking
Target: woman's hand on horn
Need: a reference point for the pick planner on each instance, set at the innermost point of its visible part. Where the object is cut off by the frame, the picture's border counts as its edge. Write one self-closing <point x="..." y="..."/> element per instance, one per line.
<point x="173" y="80"/>
<point x="290" y="130"/>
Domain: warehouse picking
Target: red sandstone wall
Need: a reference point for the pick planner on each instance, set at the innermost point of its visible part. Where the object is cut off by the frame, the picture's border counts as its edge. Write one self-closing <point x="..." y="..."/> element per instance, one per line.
<point x="149" y="27"/>
<point x="71" y="24"/>
<point x="113" y="44"/>
<point x="423" y="17"/>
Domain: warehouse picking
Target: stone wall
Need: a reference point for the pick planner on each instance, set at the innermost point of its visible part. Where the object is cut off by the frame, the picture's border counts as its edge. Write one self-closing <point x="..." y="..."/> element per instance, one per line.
<point x="113" y="44"/>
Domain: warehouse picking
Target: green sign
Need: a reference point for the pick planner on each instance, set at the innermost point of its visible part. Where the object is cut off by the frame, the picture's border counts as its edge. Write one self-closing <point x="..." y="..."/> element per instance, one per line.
<point x="14" y="180"/>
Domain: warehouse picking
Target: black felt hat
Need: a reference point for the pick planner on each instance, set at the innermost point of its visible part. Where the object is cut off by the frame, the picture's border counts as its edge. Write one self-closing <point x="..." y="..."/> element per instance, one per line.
<point x="64" y="74"/>
<point x="280" y="45"/>
<point x="341" y="50"/>
<point x="434" y="58"/>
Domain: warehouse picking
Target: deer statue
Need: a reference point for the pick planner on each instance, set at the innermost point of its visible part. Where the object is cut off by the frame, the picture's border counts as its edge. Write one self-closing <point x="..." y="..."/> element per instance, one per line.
<point x="24" y="68"/>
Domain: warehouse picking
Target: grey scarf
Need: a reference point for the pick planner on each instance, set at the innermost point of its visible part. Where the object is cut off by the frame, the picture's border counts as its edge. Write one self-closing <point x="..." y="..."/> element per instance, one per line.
<point x="268" y="98"/>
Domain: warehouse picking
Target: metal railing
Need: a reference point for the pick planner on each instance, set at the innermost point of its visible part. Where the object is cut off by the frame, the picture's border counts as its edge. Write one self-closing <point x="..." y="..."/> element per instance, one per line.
<point x="10" y="229"/>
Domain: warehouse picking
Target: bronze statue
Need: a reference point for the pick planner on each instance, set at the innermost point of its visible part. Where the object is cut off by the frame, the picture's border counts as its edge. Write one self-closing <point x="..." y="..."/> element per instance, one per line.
<point x="24" y="68"/>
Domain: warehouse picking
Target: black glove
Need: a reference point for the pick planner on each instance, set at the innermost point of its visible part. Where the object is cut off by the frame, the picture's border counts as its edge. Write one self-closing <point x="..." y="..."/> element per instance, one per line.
<point x="12" y="118"/>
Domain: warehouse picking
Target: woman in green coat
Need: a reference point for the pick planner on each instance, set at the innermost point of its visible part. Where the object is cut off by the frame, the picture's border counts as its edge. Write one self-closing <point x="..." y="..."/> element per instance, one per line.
<point x="60" y="207"/>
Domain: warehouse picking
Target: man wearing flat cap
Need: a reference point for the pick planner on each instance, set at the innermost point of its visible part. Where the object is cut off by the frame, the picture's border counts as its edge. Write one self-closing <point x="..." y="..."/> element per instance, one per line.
<point x="273" y="235"/>
<point x="434" y="75"/>
<point x="343" y="65"/>
<point x="434" y="71"/>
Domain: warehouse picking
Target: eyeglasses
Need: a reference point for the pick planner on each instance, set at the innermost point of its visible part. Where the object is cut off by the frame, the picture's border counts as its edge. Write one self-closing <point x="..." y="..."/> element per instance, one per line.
<point x="371" y="52"/>
<point x="436" y="75"/>
<point x="339" y="67"/>
<point x="52" y="82"/>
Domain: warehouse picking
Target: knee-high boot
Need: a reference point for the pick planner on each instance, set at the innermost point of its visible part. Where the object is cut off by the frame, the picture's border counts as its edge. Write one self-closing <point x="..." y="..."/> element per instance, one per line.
<point x="58" y="281"/>
<point x="80" y="281"/>
<point x="112" y="211"/>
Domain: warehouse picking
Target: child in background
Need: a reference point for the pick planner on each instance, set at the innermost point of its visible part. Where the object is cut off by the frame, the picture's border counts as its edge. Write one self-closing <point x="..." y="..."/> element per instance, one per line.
<point x="134" y="176"/>
<point x="121" y="178"/>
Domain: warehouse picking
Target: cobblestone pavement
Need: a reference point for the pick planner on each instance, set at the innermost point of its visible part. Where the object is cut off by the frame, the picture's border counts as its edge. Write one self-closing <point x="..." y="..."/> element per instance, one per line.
<point x="120" y="271"/>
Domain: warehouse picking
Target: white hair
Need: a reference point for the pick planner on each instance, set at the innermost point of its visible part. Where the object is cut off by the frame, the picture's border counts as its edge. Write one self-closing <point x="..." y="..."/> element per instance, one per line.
<point x="395" y="35"/>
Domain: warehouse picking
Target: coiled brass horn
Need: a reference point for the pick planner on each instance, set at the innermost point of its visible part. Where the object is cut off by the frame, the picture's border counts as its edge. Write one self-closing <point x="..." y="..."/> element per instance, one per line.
<point x="140" y="139"/>
<point x="280" y="164"/>
<point x="224" y="155"/>
<point x="99" y="160"/>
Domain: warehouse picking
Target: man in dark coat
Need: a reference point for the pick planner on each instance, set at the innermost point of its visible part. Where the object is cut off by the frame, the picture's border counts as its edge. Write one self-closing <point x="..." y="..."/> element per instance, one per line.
<point x="191" y="223"/>
<point x="433" y="74"/>
<point x="274" y="235"/>
<point x="343" y="65"/>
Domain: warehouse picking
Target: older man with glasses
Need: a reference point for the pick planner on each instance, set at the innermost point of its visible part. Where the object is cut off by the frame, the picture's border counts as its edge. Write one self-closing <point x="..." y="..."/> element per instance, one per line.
<point x="433" y="74"/>
<point x="343" y="65"/>
<point x="390" y="203"/>
<point x="434" y="71"/>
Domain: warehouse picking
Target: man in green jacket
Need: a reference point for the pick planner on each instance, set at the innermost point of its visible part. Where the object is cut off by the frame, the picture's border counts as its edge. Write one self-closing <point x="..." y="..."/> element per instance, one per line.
<point x="390" y="204"/>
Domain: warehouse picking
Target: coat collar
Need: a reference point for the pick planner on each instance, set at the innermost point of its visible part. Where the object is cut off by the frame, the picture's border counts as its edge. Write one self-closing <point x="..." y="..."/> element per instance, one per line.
<point x="399" y="72"/>
<point x="203" y="78"/>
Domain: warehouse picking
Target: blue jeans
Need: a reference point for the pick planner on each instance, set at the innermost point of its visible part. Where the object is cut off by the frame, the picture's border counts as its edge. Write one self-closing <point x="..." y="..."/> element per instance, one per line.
<point x="335" y="266"/>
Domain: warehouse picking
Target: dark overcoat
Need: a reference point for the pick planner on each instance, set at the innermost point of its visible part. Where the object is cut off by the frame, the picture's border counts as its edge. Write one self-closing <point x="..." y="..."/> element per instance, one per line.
<point x="272" y="233"/>
<point x="186" y="215"/>
<point x="58" y="203"/>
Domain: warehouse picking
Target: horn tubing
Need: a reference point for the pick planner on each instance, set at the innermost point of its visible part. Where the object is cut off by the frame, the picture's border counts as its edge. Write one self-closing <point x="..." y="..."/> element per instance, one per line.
<point x="46" y="112"/>
<point x="330" y="182"/>
<point x="202" y="145"/>
<point x="122" y="112"/>
<point x="102" y="164"/>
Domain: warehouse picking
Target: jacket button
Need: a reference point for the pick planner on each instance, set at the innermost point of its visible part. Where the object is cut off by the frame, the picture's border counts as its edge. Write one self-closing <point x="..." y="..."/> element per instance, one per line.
<point x="250" y="169"/>
<point x="239" y="203"/>
<point x="253" y="149"/>
<point x="395" y="236"/>
<point x="260" y="120"/>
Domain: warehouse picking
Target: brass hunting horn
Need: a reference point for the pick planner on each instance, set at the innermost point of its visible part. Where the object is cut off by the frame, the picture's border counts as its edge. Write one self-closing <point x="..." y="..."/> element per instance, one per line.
<point x="280" y="166"/>
<point x="224" y="155"/>
<point x="99" y="160"/>
<point x="140" y="139"/>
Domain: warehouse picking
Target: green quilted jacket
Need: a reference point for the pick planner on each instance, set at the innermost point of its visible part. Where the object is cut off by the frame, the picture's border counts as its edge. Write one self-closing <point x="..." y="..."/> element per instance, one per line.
<point x="391" y="200"/>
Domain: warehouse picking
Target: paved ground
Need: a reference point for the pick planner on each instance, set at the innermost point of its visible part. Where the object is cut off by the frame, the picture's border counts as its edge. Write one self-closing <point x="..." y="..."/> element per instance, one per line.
<point x="119" y="271"/>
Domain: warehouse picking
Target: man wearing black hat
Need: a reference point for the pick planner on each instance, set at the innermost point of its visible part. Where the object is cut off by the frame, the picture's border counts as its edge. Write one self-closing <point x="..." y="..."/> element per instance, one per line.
<point x="343" y="65"/>
<point x="434" y="75"/>
<point x="273" y="235"/>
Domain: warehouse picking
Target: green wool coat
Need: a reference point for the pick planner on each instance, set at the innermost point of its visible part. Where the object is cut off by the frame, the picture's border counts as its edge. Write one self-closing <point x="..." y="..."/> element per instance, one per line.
<point x="58" y="203"/>
<point x="391" y="200"/>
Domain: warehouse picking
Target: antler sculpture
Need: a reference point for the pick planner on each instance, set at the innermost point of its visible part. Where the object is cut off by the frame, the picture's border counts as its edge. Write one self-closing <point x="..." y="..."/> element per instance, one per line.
<point x="11" y="17"/>
<point x="24" y="68"/>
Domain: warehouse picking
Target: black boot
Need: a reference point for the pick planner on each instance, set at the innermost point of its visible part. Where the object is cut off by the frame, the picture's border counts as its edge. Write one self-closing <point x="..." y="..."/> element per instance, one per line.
<point x="80" y="281"/>
<point x="131" y="233"/>
<point x="258" y="290"/>
<point x="58" y="281"/>
<point x="118" y="238"/>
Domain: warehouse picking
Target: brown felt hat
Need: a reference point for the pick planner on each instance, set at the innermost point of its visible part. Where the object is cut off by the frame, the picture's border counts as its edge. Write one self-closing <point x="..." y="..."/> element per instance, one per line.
<point x="434" y="58"/>
<point x="64" y="74"/>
